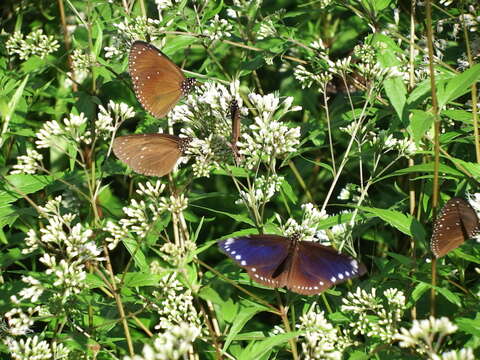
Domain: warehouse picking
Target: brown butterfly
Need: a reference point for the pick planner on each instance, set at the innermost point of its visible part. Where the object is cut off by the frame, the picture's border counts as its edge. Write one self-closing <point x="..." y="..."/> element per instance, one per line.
<point x="150" y="154"/>
<point x="235" y="116"/>
<point x="157" y="81"/>
<point x="456" y="223"/>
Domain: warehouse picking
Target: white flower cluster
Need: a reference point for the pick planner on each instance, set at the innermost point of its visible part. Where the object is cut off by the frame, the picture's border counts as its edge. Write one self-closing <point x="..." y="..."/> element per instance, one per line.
<point x="375" y="317"/>
<point x="349" y="192"/>
<point x="365" y="52"/>
<point x="262" y="190"/>
<point x="268" y="138"/>
<point x="336" y="235"/>
<point x="308" y="227"/>
<point x="140" y="214"/>
<point x="110" y="118"/>
<point x="19" y="322"/>
<point x="61" y="234"/>
<point x="31" y="293"/>
<point x="34" y="348"/>
<point x="206" y="119"/>
<point x="28" y="164"/>
<point x="73" y="130"/>
<point x="462" y="354"/>
<point x="203" y="154"/>
<point x="321" y="339"/>
<point x="218" y="29"/>
<point x="385" y="142"/>
<point x="139" y="28"/>
<point x="81" y="61"/>
<point x="173" y="344"/>
<point x="267" y="29"/>
<point x="74" y="243"/>
<point x="175" y="254"/>
<point x="307" y="78"/>
<point x="175" y="203"/>
<point x="35" y="43"/>
<point x="426" y="336"/>
<point x="175" y="304"/>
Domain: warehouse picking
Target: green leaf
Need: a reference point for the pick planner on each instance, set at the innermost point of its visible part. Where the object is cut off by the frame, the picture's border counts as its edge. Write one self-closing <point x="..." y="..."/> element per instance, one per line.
<point x="25" y="184"/>
<point x="470" y="326"/>
<point x="420" y="122"/>
<point x="238" y="217"/>
<point x="142" y="279"/>
<point x="396" y="92"/>
<point x="419" y="290"/>
<point x="457" y="86"/>
<point x="257" y="349"/>
<point x="12" y="104"/>
<point x="358" y="355"/>
<point x="288" y="191"/>
<point x="243" y="316"/>
<point x="398" y="220"/>
<point x="137" y="254"/>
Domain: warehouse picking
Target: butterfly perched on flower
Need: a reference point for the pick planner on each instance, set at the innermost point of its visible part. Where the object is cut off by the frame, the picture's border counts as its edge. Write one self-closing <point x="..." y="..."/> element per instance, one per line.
<point x="304" y="267"/>
<point x="157" y="81"/>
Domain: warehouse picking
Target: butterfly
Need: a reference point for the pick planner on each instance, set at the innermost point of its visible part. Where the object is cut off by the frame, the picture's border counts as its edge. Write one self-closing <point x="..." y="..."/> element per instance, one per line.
<point x="157" y="81"/>
<point x="235" y="117"/>
<point x="456" y="223"/>
<point x="150" y="154"/>
<point x="304" y="267"/>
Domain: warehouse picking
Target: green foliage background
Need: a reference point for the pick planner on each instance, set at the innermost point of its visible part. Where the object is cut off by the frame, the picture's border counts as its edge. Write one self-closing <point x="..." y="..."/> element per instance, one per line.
<point x="391" y="236"/>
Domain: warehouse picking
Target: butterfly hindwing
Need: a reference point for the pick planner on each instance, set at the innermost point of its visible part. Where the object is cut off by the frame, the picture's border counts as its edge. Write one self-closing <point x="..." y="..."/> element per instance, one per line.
<point x="149" y="154"/>
<point x="456" y="222"/>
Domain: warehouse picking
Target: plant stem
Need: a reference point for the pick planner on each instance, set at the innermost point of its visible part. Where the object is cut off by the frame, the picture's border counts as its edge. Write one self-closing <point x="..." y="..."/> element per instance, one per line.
<point x="436" y="139"/>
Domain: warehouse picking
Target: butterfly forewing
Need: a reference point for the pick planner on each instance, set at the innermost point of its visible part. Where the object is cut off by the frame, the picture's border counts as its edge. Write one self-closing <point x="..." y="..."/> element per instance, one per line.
<point x="260" y="255"/>
<point x="157" y="81"/>
<point x="456" y="222"/>
<point x="149" y="154"/>
<point x="316" y="268"/>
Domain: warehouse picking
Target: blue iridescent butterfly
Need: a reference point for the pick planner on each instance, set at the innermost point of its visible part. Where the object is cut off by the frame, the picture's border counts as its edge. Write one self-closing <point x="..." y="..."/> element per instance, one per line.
<point x="303" y="267"/>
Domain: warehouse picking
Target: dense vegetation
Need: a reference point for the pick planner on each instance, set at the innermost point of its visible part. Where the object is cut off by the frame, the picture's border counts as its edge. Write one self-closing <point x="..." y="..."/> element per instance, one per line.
<point x="359" y="119"/>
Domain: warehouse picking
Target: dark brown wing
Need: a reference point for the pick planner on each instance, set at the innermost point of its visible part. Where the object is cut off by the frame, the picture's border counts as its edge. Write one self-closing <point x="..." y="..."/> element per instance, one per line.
<point x="315" y="268"/>
<point x="235" y="116"/>
<point x="157" y="81"/>
<point x="456" y="222"/>
<point x="149" y="154"/>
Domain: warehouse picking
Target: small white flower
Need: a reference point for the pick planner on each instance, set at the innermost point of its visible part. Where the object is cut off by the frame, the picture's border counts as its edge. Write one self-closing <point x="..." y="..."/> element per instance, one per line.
<point x="217" y="29"/>
<point x="28" y="164"/>
<point x="35" y="43"/>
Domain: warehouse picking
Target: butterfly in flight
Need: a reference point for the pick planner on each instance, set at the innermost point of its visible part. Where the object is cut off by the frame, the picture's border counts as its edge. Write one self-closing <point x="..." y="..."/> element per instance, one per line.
<point x="304" y="267"/>
<point x="157" y="81"/>
<point x="456" y="223"/>
<point x="150" y="154"/>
